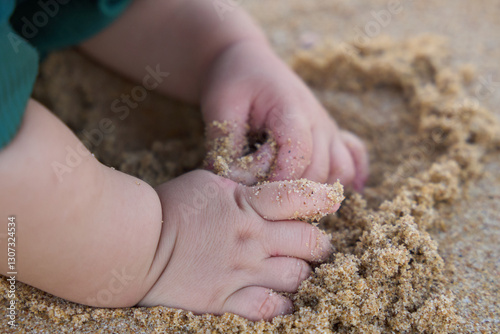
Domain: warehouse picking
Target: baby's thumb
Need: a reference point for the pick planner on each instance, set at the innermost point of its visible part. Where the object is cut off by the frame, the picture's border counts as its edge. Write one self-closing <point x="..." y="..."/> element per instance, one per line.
<point x="253" y="168"/>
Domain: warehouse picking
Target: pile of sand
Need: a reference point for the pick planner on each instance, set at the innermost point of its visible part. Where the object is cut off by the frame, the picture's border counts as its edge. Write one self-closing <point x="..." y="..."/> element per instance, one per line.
<point x="386" y="275"/>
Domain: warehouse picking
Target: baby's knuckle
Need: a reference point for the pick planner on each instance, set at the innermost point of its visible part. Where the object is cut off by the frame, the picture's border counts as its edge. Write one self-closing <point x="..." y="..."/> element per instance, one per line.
<point x="240" y="199"/>
<point x="290" y="198"/>
<point x="215" y="300"/>
<point x="296" y="274"/>
<point x="266" y="307"/>
<point x="246" y="233"/>
<point x="304" y="272"/>
<point x="309" y="237"/>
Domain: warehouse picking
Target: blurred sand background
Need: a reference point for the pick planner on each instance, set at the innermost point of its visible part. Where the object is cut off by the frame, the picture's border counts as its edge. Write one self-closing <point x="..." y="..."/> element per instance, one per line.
<point x="469" y="241"/>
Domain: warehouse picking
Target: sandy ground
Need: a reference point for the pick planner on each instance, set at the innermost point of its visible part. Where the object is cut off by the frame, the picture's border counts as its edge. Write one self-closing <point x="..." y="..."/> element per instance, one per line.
<point x="467" y="238"/>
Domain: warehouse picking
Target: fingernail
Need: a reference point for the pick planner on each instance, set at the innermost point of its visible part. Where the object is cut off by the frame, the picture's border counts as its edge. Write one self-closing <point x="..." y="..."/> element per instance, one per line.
<point x="323" y="249"/>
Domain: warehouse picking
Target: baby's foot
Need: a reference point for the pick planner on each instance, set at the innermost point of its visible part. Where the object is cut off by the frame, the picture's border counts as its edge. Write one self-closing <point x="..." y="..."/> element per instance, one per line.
<point x="225" y="247"/>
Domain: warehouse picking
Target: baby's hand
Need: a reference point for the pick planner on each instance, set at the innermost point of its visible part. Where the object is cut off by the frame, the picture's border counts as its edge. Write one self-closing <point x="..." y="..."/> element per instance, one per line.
<point x="255" y="92"/>
<point x="226" y="247"/>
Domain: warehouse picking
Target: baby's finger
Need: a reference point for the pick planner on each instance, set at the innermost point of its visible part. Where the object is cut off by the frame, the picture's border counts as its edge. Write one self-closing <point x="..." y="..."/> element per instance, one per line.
<point x="296" y="239"/>
<point x="360" y="158"/>
<point x="294" y="140"/>
<point x="319" y="168"/>
<point x="223" y="117"/>
<point x="253" y="168"/>
<point x="341" y="163"/>
<point x="299" y="199"/>
<point x="282" y="273"/>
<point x="257" y="303"/>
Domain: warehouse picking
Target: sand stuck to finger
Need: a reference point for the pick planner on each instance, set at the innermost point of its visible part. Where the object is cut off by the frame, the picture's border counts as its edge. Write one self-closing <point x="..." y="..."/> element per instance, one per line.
<point x="312" y="200"/>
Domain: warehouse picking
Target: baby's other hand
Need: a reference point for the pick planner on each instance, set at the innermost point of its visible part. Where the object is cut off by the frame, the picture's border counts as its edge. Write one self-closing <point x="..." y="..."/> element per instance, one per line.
<point x="225" y="247"/>
<point x="251" y="89"/>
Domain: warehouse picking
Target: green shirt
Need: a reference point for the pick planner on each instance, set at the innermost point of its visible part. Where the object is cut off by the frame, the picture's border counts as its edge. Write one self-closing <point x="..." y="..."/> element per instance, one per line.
<point x="30" y="28"/>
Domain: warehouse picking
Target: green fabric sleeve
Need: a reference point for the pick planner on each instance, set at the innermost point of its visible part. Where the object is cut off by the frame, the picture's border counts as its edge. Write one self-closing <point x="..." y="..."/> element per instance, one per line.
<point x="18" y="69"/>
<point x="36" y="28"/>
<point x="55" y="24"/>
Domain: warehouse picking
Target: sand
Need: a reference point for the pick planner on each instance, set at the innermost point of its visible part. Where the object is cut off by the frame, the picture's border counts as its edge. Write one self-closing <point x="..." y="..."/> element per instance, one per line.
<point x="247" y="160"/>
<point x="418" y="252"/>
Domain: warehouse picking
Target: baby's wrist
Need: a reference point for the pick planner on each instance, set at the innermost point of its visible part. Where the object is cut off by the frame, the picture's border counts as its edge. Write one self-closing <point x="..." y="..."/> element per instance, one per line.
<point x="166" y="244"/>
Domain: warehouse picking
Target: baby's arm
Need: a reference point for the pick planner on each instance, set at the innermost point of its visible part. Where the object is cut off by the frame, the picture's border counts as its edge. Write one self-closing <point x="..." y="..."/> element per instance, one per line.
<point x="85" y="232"/>
<point x="182" y="37"/>
<point x="223" y="62"/>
